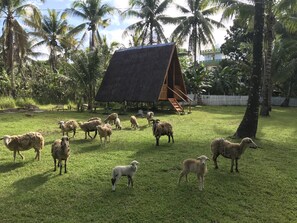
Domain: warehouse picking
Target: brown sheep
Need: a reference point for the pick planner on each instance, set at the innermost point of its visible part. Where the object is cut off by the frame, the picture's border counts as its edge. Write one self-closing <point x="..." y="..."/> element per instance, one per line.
<point x="60" y="152"/>
<point x="162" y="128"/>
<point x="230" y="150"/>
<point x="17" y="143"/>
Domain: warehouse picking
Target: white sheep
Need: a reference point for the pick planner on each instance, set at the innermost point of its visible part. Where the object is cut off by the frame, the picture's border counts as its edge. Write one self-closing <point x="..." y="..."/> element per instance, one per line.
<point x="230" y="150"/>
<point x="104" y="131"/>
<point x="118" y="124"/>
<point x="90" y="126"/>
<point x="68" y="126"/>
<point x="17" y="143"/>
<point x="197" y="166"/>
<point x="133" y="121"/>
<point x="162" y="128"/>
<point x="128" y="171"/>
<point x="149" y="117"/>
<point x="61" y="151"/>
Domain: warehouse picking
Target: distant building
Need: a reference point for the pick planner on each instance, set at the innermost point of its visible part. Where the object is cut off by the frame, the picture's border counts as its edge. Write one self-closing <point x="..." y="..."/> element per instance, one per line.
<point x="211" y="57"/>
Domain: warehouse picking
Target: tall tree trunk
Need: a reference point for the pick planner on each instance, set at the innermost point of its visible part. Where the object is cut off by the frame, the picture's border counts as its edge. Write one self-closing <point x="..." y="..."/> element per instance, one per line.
<point x="286" y="102"/>
<point x="249" y="124"/>
<point x="10" y="54"/>
<point x="267" y="85"/>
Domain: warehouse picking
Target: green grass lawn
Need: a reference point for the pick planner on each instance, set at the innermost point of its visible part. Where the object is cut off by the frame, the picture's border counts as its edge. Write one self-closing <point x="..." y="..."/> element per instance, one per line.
<point x="264" y="191"/>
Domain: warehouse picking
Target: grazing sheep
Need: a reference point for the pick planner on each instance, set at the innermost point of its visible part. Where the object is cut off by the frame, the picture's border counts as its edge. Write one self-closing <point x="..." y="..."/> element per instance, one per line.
<point x="111" y="118"/>
<point x="17" y="143"/>
<point x="90" y="126"/>
<point x="94" y="118"/>
<point x="128" y="171"/>
<point x="230" y="150"/>
<point x="197" y="166"/>
<point x="60" y="152"/>
<point x="162" y="128"/>
<point x="104" y="131"/>
<point x="149" y="117"/>
<point x="134" y="123"/>
<point x="118" y="124"/>
<point x="68" y="126"/>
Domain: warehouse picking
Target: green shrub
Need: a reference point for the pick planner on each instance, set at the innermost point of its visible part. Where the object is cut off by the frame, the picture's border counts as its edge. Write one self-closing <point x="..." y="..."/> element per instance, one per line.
<point x="7" y="102"/>
<point x="25" y="102"/>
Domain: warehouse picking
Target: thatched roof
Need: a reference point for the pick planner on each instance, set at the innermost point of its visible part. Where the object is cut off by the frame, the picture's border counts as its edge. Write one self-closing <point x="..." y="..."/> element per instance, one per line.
<point x="137" y="74"/>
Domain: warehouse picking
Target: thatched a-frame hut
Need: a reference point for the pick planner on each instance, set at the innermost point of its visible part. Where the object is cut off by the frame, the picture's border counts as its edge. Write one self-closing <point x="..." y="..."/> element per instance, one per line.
<point x="143" y="74"/>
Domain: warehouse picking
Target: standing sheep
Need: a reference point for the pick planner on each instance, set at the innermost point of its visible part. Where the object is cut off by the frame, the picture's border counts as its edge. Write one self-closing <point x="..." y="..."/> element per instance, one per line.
<point x="90" y="126"/>
<point x="111" y="118"/>
<point x="149" y="117"/>
<point x="128" y="171"/>
<point x="60" y="152"/>
<point x="104" y="132"/>
<point x="162" y="128"/>
<point x="68" y="126"/>
<point x="134" y="123"/>
<point x="197" y="166"/>
<point x="17" y="143"/>
<point x="230" y="150"/>
<point x="118" y="124"/>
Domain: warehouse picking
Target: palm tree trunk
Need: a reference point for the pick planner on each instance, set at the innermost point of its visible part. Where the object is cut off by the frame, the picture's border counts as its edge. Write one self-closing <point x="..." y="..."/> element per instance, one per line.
<point x="267" y="86"/>
<point x="249" y="124"/>
<point x="10" y="53"/>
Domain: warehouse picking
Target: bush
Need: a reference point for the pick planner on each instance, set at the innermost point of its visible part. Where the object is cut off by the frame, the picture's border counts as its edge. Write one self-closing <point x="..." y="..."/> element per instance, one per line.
<point x="25" y="102"/>
<point x="7" y="102"/>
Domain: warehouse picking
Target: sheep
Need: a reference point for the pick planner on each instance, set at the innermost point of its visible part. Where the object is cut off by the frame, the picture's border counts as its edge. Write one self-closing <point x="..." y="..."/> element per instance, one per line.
<point x="60" y="152"/>
<point x="134" y="123"/>
<point x="128" y="171"/>
<point x="94" y="118"/>
<point x="111" y="118"/>
<point x="68" y="126"/>
<point x="230" y="150"/>
<point x="162" y="128"/>
<point x="197" y="166"/>
<point x="104" y="131"/>
<point x="149" y="117"/>
<point x="90" y="126"/>
<point x="17" y="143"/>
<point x="118" y="124"/>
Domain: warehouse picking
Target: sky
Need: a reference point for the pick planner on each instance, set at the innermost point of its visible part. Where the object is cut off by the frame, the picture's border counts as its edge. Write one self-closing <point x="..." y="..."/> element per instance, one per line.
<point x="115" y="30"/>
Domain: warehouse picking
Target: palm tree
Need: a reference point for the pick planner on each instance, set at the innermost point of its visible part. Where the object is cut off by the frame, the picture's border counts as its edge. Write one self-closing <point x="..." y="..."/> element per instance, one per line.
<point x="93" y="12"/>
<point x="196" y="25"/>
<point x="249" y="124"/>
<point x="52" y="30"/>
<point x="151" y="15"/>
<point x="14" y="33"/>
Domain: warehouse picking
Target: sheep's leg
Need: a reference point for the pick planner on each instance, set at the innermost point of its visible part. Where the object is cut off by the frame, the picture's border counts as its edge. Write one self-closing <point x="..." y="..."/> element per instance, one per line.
<point x="157" y="140"/>
<point x="14" y="155"/>
<point x="90" y="135"/>
<point x="200" y="178"/>
<point x="232" y="164"/>
<point x="95" y="134"/>
<point x="74" y="131"/>
<point x="183" y="173"/>
<point x="236" y="165"/>
<point x="114" y="182"/>
<point x="130" y="181"/>
<point x="65" y="167"/>
<point x="85" y="135"/>
<point x="60" y="164"/>
<point x="172" y="138"/>
<point x="55" y="164"/>
<point x="20" y="154"/>
<point x="168" y="138"/>
<point x="214" y="158"/>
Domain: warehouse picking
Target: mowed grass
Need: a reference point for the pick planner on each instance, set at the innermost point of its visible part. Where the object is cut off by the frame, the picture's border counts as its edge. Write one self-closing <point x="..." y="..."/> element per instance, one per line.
<point x="263" y="191"/>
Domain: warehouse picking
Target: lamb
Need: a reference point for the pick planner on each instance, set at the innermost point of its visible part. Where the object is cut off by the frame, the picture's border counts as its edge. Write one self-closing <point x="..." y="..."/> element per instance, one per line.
<point x="134" y="123"/>
<point x="162" y="128"/>
<point x="68" y="126"/>
<point x="60" y="152"/>
<point x="118" y="124"/>
<point x="90" y="126"/>
<point x="197" y="166"/>
<point x="104" y="131"/>
<point x="111" y="118"/>
<point x="230" y="150"/>
<point x="149" y="117"/>
<point x="17" y="143"/>
<point x="128" y="171"/>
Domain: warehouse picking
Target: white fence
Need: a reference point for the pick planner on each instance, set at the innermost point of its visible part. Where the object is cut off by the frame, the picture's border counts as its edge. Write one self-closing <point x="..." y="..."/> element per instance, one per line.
<point x="237" y="100"/>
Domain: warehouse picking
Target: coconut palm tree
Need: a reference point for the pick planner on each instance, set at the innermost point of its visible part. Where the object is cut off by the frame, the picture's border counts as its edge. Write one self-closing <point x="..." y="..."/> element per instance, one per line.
<point x="249" y="124"/>
<point x="151" y="15"/>
<point x="51" y="31"/>
<point x="196" y="25"/>
<point x="13" y="32"/>
<point x="93" y="12"/>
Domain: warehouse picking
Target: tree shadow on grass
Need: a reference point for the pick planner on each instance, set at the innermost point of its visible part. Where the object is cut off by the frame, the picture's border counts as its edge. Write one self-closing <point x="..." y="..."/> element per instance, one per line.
<point x="7" y="167"/>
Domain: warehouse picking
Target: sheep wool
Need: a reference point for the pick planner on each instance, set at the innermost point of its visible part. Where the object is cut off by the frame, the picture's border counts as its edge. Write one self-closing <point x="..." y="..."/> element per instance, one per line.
<point x="61" y="151"/>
